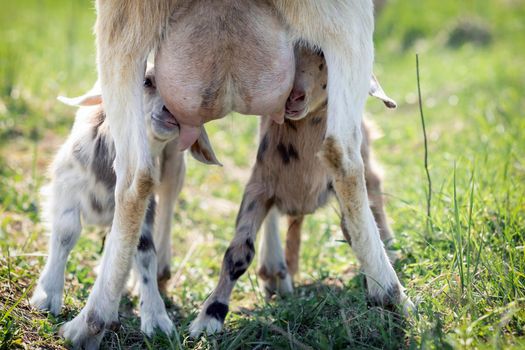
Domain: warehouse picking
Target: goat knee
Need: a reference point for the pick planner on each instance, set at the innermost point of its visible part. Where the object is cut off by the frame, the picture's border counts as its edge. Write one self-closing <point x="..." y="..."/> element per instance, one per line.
<point x="342" y="160"/>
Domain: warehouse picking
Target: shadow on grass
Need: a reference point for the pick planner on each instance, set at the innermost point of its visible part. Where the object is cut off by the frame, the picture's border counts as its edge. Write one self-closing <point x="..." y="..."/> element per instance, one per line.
<point x="321" y="315"/>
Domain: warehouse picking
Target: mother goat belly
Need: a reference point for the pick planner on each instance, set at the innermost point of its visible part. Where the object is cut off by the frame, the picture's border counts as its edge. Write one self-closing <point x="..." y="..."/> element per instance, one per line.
<point x="211" y="63"/>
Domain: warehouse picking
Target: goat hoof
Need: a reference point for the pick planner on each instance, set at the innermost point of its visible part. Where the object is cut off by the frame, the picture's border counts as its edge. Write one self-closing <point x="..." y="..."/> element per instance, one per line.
<point x="207" y="324"/>
<point x="46" y="300"/>
<point x="210" y="319"/>
<point x="85" y="331"/>
<point x="152" y="321"/>
<point x="114" y="326"/>
<point x="275" y="280"/>
<point x="393" y="298"/>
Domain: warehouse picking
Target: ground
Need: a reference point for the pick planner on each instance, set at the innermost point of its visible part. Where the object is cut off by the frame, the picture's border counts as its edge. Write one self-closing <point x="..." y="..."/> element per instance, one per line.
<point x="464" y="265"/>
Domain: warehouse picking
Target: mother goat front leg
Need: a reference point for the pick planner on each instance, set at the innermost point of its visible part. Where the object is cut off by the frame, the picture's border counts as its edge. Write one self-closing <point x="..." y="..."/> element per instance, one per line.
<point x="349" y="59"/>
<point x="345" y="34"/>
<point x="126" y="32"/>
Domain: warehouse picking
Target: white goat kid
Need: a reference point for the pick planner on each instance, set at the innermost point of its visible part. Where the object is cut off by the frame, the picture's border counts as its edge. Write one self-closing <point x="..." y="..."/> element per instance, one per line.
<point x="82" y="192"/>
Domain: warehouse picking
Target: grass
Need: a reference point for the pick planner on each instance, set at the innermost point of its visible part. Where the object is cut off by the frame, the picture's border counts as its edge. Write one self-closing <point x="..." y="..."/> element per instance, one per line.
<point x="465" y="269"/>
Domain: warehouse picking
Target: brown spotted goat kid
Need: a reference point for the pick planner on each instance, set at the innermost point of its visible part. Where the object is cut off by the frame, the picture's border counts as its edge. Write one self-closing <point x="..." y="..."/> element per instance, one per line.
<point x="82" y="192"/>
<point x="290" y="178"/>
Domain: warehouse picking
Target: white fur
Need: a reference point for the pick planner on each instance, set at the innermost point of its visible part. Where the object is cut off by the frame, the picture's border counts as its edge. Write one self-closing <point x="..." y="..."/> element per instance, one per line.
<point x="204" y="324"/>
<point x="152" y="309"/>
<point x="69" y="201"/>
<point x="171" y="180"/>
<point x="271" y="257"/>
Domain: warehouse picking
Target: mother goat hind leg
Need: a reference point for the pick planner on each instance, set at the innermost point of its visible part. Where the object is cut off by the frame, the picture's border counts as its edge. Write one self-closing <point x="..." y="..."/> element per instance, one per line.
<point x="126" y="32"/>
<point x="344" y="34"/>
<point x="341" y="154"/>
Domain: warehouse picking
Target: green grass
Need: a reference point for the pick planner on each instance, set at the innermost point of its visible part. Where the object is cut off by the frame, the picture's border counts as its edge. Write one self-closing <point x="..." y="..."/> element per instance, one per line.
<point x="466" y="270"/>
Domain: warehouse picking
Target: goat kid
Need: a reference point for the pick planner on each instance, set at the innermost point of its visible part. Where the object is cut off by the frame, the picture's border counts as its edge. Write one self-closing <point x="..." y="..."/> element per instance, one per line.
<point x="295" y="178"/>
<point x="81" y="192"/>
<point x="289" y="177"/>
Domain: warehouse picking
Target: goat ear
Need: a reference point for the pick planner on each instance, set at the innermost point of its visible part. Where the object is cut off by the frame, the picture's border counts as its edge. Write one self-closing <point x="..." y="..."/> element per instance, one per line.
<point x="202" y="150"/>
<point x="377" y="91"/>
<point x="91" y="98"/>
